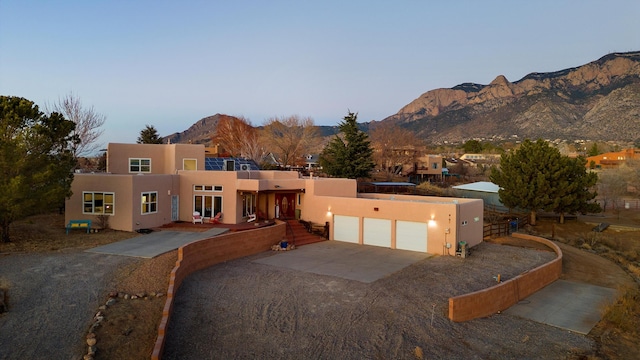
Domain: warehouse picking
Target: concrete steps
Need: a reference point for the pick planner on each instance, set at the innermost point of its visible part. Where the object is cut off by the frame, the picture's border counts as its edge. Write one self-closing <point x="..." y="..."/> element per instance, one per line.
<point x="300" y="234"/>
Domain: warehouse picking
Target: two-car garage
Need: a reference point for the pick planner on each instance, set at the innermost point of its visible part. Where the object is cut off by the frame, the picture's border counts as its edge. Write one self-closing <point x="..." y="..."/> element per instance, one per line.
<point x="409" y="235"/>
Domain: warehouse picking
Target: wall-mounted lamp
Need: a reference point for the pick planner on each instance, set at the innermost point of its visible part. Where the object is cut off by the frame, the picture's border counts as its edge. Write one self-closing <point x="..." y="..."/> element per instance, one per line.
<point x="329" y="211"/>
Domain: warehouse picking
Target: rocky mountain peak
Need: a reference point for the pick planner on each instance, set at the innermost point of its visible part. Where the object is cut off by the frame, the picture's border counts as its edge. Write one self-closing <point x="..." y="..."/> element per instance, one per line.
<point x="564" y="103"/>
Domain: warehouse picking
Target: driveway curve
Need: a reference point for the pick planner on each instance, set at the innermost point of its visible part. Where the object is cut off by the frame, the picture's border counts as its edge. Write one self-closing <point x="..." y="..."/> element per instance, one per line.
<point x="246" y="309"/>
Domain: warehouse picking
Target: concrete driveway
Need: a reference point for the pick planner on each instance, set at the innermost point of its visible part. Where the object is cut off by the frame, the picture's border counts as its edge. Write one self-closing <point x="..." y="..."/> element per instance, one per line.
<point x="156" y="243"/>
<point x="344" y="260"/>
<point x="565" y="304"/>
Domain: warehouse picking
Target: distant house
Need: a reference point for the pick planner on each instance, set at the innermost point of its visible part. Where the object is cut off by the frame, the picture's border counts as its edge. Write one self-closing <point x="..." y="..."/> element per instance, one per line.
<point x="612" y="160"/>
<point x="149" y="185"/>
<point x="485" y="190"/>
<point x="426" y="168"/>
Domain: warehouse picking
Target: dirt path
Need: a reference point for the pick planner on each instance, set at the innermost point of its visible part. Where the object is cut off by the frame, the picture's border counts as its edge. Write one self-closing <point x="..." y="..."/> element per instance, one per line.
<point x="52" y="298"/>
<point x="244" y="310"/>
<point x="583" y="266"/>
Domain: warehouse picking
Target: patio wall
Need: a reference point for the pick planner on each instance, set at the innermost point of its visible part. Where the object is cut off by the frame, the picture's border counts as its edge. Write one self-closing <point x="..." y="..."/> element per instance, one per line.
<point x="501" y="296"/>
<point x="205" y="253"/>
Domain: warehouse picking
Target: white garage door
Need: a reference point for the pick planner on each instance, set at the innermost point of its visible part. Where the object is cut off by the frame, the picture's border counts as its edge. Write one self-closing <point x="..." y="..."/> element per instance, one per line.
<point x="346" y="228"/>
<point x="377" y="232"/>
<point x="411" y="236"/>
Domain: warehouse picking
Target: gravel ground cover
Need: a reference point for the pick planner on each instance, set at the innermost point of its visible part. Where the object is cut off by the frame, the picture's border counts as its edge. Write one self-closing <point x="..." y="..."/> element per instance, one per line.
<point x="245" y="310"/>
<point x="52" y="300"/>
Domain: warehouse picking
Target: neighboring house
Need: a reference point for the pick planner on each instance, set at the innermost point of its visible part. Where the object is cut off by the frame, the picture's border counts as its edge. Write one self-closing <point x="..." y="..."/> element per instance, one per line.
<point x="312" y="162"/>
<point x="612" y="160"/>
<point x="426" y="168"/>
<point x="148" y="185"/>
<point x="485" y="190"/>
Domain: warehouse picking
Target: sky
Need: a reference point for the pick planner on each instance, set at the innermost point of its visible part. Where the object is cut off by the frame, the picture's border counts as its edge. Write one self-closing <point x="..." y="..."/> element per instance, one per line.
<point x="170" y="63"/>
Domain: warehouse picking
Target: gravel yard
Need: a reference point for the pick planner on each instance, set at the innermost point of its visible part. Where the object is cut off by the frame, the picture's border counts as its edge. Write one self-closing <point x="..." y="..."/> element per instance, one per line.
<point x="52" y="299"/>
<point x="245" y="310"/>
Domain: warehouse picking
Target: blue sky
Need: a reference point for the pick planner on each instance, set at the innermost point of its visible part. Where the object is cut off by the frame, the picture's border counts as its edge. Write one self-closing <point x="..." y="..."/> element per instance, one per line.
<point x="171" y="63"/>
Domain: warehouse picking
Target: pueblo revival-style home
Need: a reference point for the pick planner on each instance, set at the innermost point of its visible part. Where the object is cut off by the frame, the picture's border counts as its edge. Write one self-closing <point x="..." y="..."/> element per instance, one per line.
<point x="149" y="185"/>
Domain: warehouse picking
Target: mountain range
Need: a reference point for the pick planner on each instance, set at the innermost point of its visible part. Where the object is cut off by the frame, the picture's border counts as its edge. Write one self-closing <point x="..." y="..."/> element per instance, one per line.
<point x="598" y="101"/>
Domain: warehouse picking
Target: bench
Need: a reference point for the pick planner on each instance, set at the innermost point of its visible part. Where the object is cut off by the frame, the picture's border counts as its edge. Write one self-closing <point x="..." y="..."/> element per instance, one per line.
<point x="79" y="224"/>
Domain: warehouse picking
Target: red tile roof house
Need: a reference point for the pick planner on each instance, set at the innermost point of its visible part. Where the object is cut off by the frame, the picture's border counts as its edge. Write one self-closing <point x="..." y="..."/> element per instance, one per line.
<point x="149" y="185"/>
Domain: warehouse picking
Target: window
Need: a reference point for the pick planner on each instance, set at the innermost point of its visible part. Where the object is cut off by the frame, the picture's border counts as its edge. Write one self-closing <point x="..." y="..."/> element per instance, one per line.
<point x="207" y="205"/>
<point x="149" y="202"/>
<point x="98" y="203"/>
<point x="139" y="165"/>
<point x="435" y="165"/>
<point x="189" y="164"/>
<point x="207" y="187"/>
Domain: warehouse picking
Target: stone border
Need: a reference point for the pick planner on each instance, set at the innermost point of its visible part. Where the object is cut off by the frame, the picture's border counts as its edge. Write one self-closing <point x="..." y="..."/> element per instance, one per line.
<point x="499" y="297"/>
<point x="202" y="254"/>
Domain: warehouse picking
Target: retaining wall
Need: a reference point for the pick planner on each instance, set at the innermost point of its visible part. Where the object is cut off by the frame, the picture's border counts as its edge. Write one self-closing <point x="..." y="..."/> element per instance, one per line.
<point x="501" y="296"/>
<point x="208" y="252"/>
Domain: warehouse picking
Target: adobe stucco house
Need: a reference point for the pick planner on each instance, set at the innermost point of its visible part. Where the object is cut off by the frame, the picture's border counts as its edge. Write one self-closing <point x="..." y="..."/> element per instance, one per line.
<point x="148" y="185"/>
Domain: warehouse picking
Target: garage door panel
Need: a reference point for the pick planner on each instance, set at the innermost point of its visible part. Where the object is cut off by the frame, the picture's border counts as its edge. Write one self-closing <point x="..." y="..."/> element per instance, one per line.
<point x="346" y="228"/>
<point x="411" y="235"/>
<point x="377" y="232"/>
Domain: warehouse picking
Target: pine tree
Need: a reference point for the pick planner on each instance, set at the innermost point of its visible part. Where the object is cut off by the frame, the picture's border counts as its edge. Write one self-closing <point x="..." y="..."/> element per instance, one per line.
<point x="149" y="135"/>
<point x="36" y="162"/>
<point x="572" y="188"/>
<point x="348" y="154"/>
<point x="537" y="177"/>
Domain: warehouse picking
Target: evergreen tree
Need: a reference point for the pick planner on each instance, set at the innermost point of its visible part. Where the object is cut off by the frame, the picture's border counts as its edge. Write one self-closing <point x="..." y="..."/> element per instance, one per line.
<point x="149" y="135"/>
<point x="36" y="160"/>
<point x="472" y="147"/>
<point x="571" y="187"/>
<point x="593" y="150"/>
<point x="348" y="154"/>
<point x="537" y="177"/>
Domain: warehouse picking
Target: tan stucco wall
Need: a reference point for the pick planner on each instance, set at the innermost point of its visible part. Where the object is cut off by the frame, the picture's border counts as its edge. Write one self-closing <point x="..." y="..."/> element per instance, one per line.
<point x="127" y="206"/>
<point x="231" y="210"/>
<point x="165" y="158"/>
<point x="444" y="216"/>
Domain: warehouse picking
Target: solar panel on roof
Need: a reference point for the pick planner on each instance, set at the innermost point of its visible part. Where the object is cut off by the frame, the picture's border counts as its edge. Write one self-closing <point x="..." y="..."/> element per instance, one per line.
<point x="218" y="164"/>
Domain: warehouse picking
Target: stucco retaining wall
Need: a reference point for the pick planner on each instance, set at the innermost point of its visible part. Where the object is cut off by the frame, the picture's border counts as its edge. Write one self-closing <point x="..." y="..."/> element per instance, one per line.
<point x="202" y="254"/>
<point x="501" y="296"/>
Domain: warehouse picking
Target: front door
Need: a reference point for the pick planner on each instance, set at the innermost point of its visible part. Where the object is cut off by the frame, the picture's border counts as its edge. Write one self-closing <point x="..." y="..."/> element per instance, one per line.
<point x="285" y="205"/>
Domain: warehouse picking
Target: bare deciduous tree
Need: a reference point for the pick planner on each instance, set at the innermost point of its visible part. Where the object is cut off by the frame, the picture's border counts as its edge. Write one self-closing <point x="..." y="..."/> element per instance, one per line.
<point x="393" y="147"/>
<point x="238" y="137"/>
<point x="87" y="120"/>
<point x="291" y="138"/>
<point x="612" y="186"/>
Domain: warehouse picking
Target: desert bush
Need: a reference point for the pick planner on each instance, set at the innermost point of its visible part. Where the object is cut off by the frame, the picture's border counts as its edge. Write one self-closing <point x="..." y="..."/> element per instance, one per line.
<point x="103" y="221"/>
<point x="634" y="270"/>
<point x="625" y="312"/>
<point x="590" y="237"/>
<point x="431" y="188"/>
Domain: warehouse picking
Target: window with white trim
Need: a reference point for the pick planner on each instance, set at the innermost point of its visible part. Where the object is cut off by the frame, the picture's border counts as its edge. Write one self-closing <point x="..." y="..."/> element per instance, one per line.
<point x="98" y="203"/>
<point x="149" y="202"/>
<point x="139" y="165"/>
